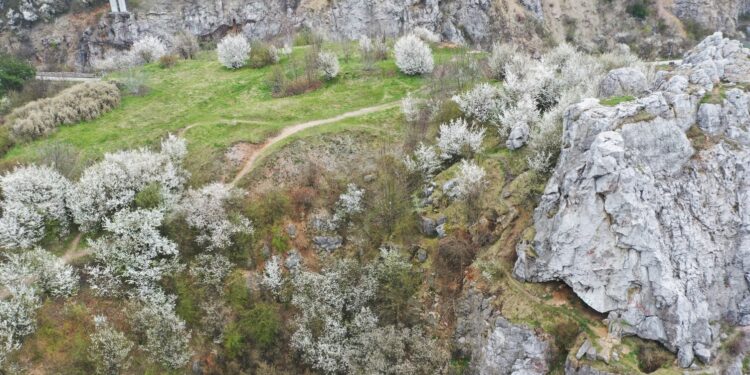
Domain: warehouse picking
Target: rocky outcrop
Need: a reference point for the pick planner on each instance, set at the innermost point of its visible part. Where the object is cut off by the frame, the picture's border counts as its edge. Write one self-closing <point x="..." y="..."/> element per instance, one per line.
<point x="710" y="14"/>
<point x="647" y="224"/>
<point x="495" y="345"/>
<point x="623" y="81"/>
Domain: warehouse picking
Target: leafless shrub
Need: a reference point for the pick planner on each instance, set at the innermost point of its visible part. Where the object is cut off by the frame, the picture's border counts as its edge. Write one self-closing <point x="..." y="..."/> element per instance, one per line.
<point x="83" y="102"/>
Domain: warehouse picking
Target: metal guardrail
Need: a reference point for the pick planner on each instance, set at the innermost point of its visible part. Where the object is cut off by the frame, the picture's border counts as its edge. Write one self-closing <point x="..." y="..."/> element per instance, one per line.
<point x="67" y="76"/>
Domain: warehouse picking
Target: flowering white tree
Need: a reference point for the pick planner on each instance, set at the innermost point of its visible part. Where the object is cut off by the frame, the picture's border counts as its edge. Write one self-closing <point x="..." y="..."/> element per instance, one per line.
<point x="42" y="269"/>
<point x="502" y="54"/>
<point x="413" y="56"/>
<point x="147" y="50"/>
<point x="167" y="339"/>
<point x="16" y="318"/>
<point x="272" y="277"/>
<point x="233" y="51"/>
<point x="350" y="203"/>
<point x="411" y="107"/>
<point x="32" y="197"/>
<point x="365" y="44"/>
<point x="457" y="138"/>
<point x="205" y="210"/>
<point x="425" y="161"/>
<point x="328" y="64"/>
<point x="109" y="348"/>
<point x="210" y="270"/>
<point x="335" y="301"/>
<point x="20" y="226"/>
<point x="112" y="184"/>
<point x="483" y="103"/>
<point x="470" y="180"/>
<point x="132" y="252"/>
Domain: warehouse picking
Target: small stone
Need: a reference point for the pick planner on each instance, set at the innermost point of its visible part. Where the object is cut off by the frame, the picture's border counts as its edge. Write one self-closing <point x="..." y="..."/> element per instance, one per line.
<point x="422" y="255"/>
<point x="293" y="259"/>
<point x="291" y="230"/>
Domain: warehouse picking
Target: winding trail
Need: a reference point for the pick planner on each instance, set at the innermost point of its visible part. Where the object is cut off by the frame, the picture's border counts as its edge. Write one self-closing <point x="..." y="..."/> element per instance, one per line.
<point x="294" y="129"/>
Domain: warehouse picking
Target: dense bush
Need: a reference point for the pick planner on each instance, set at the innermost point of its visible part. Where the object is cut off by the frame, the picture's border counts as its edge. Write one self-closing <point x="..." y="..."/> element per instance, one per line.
<point x="413" y="56"/>
<point x="167" y="61"/>
<point x="147" y="50"/>
<point x="328" y="64"/>
<point x="13" y="73"/>
<point x="109" y="348"/>
<point x="233" y="51"/>
<point x="186" y="45"/>
<point x="32" y="198"/>
<point x="83" y="102"/>
<point x="638" y="9"/>
<point x="263" y="54"/>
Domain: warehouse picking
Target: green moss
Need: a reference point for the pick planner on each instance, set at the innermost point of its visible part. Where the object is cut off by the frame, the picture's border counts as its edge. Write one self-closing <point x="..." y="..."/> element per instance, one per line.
<point x="615" y="100"/>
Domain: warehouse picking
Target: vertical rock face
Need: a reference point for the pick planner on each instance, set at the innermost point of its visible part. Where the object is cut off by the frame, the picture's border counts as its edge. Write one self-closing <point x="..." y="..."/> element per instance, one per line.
<point x="646" y="224"/>
<point x="496" y="346"/>
<point x="711" y="14"/>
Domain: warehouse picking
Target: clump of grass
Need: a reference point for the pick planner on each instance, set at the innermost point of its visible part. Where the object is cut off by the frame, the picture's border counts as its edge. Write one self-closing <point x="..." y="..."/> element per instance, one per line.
<point x="651" y="357"/>
<point x="615" y="100"/>
<point x="716" y="96"/>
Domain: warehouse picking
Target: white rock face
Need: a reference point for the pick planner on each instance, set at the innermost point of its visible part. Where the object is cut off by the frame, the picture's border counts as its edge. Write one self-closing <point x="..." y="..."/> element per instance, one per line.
<point x="623" y="81"/>
<point x="495" y="345"/>
<point x="644" y="226"/>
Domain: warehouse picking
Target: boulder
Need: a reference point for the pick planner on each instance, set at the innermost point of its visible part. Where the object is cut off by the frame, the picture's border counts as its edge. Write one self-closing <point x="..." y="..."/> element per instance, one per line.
<point x="623" y="81"/>
<point x="328" y="243"/>
<point x="518" y="137"/>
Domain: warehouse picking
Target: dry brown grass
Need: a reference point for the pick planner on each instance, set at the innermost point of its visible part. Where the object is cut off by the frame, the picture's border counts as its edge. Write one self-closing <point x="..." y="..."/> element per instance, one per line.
<point x="83" y="102"/>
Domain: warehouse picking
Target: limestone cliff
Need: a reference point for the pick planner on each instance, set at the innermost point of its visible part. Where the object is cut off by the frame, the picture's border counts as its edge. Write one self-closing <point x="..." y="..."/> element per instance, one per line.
<point x="647" y="214"/>
<point x="58" y="33"/>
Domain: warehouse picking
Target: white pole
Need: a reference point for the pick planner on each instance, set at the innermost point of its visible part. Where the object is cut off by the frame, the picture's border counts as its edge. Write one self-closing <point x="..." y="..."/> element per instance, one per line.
<point x="123" y="8"/>
<point x="115" y="8"/>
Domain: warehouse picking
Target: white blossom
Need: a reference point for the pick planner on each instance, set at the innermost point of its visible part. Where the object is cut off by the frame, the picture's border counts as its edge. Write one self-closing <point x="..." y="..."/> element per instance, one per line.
<point x="328" y="64"/>
<point x="413" y="56"/>
<point x="272" y="277"/>
<point x="167" y="339"/>
<point x="20" y="226"/>
<point x="502" y="54"/>
<point x="17" y="318"/>
<point x="457" y="138"/>
<point x="112" y="184"/>
<point x="365" y="44"/>
<point x="147" y="50"/>
<point x="109" y="348"/>
<point x="205" y="210"/>
<point x="233" y="51"/>
<point x="411" y="107"/>
<point x="482" y="103"/>
<point x="524" y="113"/>
<point x="336" y="298"/>
<point x="42" y="269"/>
<point x="470" y="179"/>
<point x="425" y="161"/>
<point x="32" y="197"/>
<point x="210" y="270"/>
<point x="132" y="251"/>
